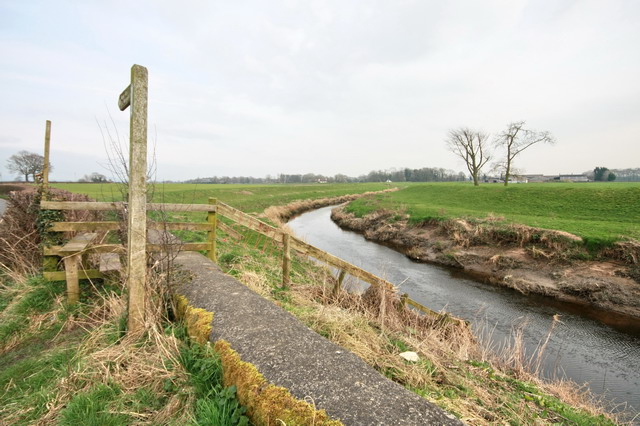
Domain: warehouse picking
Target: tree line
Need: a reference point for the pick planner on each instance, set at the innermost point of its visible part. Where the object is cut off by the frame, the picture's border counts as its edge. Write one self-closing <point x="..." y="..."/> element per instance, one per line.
<point x="425" y="174"/>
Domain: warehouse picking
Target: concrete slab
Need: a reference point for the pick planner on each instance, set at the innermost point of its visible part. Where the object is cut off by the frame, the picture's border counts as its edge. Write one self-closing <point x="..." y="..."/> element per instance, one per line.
<point x="291" y="355"/>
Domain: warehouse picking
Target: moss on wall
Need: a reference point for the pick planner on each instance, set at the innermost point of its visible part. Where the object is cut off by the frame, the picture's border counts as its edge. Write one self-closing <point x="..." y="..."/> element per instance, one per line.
<point x="266" y="404"/>
<point x="197" y="320"/>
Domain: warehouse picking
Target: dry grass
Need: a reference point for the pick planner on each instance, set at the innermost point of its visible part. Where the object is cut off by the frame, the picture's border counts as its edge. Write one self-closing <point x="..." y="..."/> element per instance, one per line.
<point x="148" y="360"/>
<point x="456" y="370"/>
<point x="279" y="215"/>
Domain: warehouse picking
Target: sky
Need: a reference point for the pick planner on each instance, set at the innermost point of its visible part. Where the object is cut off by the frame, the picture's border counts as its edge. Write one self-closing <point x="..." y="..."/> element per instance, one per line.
<point x="257" y="88"/>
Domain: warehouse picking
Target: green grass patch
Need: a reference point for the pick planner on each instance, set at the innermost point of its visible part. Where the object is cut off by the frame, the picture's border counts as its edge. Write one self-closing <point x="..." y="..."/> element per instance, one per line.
<point x="248" y="198"/>
<point x="215" y="404"/>
<point x="600" y="213"/>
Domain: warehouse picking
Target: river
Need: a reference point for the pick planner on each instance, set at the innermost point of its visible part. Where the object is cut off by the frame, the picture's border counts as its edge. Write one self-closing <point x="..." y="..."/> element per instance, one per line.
<point x="588" y="346"/>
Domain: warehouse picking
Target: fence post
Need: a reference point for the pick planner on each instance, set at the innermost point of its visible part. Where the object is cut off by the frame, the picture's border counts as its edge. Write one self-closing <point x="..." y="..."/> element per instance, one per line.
<point x="403" y="301"/>
<point x="338" y="286"/>
<point x="73" y="283"/>
<point x="136" y="96"/>
<point x="286" y="260"/>
<point x="45" y="168"/>
<point x="212" y="218"/>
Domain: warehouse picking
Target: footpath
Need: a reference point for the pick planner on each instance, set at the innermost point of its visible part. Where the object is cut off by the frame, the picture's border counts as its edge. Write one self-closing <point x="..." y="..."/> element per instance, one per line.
<point x="289" y="354"/>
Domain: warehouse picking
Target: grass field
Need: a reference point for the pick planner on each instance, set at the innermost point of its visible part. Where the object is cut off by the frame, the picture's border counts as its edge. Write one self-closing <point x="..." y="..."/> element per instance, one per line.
<point x="248" y="198"/>
<point x="600" y="213"/>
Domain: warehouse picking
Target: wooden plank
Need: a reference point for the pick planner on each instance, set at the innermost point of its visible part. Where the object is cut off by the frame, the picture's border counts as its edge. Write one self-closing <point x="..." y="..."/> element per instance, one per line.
<point x="82" y="274"/>
<point x="99" y="248"/>
<point x="124" y="100"/>
<point x="110" y="262"/>
<point x="250" y="222"/>
<point x="119" y="205"/>
<point x="78" y="243"/>
<point x="421" y="308"/>
<point x="175" y="207"/>
<point x="230" y="231"/>
<point x="114" y="226"/>
<point x="180" y="226"/>
<point x="81" y="205"/>
<point x="180" y="246"/>
<point x="84" y="226"/>
<point x="332" y="260"/>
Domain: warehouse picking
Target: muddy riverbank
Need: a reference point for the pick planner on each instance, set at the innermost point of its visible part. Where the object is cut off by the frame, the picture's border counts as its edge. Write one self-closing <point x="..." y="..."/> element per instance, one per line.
<point x="525" y="259"/>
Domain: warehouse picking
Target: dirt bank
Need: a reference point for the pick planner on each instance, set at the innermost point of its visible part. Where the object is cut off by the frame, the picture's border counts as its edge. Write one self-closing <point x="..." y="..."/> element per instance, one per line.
<point x="280" y="215"/>
<point x="526" y="259"/>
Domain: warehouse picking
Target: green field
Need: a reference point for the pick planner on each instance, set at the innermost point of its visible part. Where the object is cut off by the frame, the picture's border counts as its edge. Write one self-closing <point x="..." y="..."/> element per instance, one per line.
<point x="248" y="198"/>
<point x="600" y="213"/>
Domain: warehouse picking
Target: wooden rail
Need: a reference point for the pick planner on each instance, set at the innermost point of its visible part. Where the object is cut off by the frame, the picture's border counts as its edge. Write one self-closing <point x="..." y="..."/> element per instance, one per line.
<point x="119" y="205"/>
<point x="307" y="249"/>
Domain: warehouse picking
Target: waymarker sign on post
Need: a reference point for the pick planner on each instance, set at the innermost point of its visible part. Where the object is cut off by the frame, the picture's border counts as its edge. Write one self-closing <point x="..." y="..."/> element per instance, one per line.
<point x="136" y="97"/>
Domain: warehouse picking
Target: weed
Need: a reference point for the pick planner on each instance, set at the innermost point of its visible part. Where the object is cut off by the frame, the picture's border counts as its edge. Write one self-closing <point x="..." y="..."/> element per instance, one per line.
<point x="92" y="408"/>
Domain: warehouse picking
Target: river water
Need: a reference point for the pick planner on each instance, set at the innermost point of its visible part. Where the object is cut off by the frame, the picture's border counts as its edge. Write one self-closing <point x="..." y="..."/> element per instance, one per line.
<point x="588" y="346"/>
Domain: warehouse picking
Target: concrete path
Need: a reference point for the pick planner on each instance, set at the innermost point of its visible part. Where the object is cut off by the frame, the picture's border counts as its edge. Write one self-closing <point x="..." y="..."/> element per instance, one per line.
<point x="293" y="356"/>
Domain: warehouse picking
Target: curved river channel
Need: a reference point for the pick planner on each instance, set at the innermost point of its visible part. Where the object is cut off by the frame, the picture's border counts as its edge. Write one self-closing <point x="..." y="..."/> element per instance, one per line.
<point x="597" y="348"/>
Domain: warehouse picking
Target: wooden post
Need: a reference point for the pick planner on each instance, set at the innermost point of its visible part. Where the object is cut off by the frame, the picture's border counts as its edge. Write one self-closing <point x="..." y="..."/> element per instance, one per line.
<point x="136" y="96"/>
<point x="403" y="301"/>
<point x="286" y="260"/>
<point x="45" y="168"/>
<point x="338" y="285"/>
<point x="212" y="219"/>
<point x="71" y="274"/>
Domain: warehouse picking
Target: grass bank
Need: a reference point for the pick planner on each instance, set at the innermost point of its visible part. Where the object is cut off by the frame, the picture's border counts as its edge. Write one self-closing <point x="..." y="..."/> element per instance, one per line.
<point x="599" y="213"/>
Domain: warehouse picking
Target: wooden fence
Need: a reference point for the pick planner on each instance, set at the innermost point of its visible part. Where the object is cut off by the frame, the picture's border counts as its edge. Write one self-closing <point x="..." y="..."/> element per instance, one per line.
<point x="213" y="209"/>
<point x="290" y="242"/>
<point x="74" y="253"/>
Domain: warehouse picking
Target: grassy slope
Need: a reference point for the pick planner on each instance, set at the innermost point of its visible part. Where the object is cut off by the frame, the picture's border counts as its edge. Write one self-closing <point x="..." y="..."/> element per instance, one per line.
<point x="49" y="375"/>
<point x="248" y="198"/>
<point x="599" y="212"/>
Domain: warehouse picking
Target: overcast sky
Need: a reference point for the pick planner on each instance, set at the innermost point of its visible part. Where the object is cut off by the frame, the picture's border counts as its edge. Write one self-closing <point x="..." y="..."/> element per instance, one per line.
<point x="268" y="87"/>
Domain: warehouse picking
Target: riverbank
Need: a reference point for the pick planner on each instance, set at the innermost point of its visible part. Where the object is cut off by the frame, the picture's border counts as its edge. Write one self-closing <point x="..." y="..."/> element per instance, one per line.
<point x="526" y="259"/>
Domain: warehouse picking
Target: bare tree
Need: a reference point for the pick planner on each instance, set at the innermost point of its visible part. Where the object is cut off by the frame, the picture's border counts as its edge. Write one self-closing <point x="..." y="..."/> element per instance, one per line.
<point x="471" y="146"/>
<point x="26" y="164"/>
<point x="515" y="140"/>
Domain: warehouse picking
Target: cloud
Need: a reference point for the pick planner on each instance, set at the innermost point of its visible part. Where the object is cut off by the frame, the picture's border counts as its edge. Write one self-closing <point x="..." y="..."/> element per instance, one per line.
<point x="324" y="86"/>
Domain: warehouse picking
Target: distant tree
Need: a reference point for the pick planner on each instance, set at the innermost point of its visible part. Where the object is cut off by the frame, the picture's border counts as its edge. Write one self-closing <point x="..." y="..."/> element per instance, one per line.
<point x="94" y="177"/>
<point x="26" y="164"/>
<point x="516" y="139"/>
<point x="603" y="174"/>
<point x="471" y="146"/>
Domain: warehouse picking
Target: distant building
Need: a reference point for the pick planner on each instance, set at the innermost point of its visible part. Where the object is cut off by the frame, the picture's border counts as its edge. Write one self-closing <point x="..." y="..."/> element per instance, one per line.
<point x="558" y="178"/>
<point x="537" y="178"/>
<point x="571" y="178"/>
